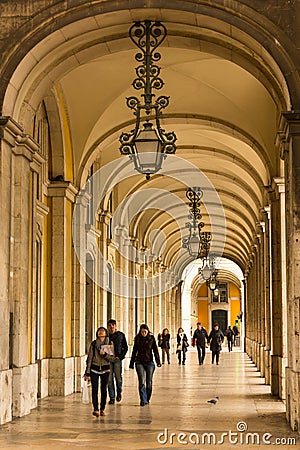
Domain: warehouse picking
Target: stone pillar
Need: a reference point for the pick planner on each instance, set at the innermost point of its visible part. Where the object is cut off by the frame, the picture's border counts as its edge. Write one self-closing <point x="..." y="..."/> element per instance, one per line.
<point x="125" y="288"/>
<point x="261" y="287"/>
<point x="25" y="370"/>
<point x="9" y="130"/>
<point x="276" y="297"/>
<point x="280" y="189"/>
<point x="289" y="144"/>
<point x="107" y="251"/>
<point x="61" y="365"/>
<point x="267" y="299"/>
<point x="79" y="303"/>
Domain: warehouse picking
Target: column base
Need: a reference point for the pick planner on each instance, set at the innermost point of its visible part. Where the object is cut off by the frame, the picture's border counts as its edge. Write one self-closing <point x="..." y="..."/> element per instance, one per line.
<point x="43" y="365"/>
<point x="267" y="359"/>
<point x="262" y="367"/>
<point x="80" y="365"/>
<point x="292" y="398"/>
<point x="278" y="364"/>
<point x="61" y="376"/>
<point x="25" y="387"/>
<point x="5" y="396"/>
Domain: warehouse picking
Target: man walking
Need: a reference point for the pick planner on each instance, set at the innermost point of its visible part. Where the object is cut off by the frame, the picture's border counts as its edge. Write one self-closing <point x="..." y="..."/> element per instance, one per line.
<point x="120" y="348"/>
<point x="199" y="338"/>
<point x="229" y="333"/>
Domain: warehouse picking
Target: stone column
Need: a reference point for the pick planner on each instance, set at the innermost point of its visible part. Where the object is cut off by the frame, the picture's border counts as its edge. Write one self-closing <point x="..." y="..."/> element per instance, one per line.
<point x="261" y="290"/>
<point x="280" y="189"/>
<point x="79" y="303"/>
<point x="267" y="298"/>
<point x="107" y="251"/>
<point x="61" y="365"/>
<point x="289" y="144"/>
<point x="25" y="370"/>
<point x="9" y="130"/>
<point x="276" y="297"/>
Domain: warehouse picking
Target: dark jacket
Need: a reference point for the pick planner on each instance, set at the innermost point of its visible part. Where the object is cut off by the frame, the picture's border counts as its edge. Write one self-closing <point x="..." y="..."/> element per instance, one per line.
<point x="165" y="340"/>
<point x="216" y="337"/>
<point x="229" y="333"/>
<point x="96" y="361"/>
<point x="120" y="344"/>
<point x="143" y="349"/>
<point x="185" y="343"/>
<point x="200" y="337"/>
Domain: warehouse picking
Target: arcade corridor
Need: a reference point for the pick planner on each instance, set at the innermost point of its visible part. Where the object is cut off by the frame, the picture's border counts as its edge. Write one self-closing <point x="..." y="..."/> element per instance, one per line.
<point x="94" y="226"/>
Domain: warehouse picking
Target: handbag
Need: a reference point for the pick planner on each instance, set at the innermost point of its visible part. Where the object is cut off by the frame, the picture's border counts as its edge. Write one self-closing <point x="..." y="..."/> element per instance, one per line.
<point x="179" y="347"/>
<point x="85" y="392"/>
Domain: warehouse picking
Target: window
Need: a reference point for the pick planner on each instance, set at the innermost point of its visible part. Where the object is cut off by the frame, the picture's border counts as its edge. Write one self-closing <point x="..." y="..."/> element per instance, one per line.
<point x="220" y="295"/>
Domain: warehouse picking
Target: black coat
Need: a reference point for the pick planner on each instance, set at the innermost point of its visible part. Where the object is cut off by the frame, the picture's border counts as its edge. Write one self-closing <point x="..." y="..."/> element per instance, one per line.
<point x="120" y="344"/>
<point x="229" y="334"/>
<point x="164" y="340"/>
<point x="216" y="338"/>
<point x="143" y="349"/>
<point x="200" y="337"/>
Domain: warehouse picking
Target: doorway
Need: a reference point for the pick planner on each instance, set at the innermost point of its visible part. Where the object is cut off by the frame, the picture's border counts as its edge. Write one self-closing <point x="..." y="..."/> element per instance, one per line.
<point x="220" y="316"/>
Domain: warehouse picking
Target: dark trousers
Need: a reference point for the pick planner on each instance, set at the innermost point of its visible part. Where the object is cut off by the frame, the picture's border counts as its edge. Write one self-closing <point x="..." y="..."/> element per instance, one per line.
<point x="201" y="353"/>
<point x="165" y="351"/>
<point x="229" y="342"/>
<point x="215" y="354"/>
<point x="181" y="356"/>
<point x="95" y="388"/>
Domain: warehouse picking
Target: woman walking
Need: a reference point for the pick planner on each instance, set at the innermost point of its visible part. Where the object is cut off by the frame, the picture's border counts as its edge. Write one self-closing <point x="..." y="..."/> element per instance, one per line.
<point x="182" y="345"/>
<point x="215" y="338"/>
<point x="142" y="356"/>
<point x="164" y="344"/>
<point x="97" y="366"/>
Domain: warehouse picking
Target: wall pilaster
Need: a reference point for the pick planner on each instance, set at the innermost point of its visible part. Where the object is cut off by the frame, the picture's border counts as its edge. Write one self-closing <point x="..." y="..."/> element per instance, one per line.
<point x="61" y="365"/>
<point x="289" y="144"/>
<point x="9" y="130"/>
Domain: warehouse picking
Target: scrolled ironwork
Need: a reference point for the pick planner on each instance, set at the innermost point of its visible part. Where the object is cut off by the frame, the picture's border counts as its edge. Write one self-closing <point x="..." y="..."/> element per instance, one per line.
<point x="147" y="36"/>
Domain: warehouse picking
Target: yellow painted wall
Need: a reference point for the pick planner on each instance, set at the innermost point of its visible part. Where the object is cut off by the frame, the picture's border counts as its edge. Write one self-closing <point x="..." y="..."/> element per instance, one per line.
<point x="234" y="290"/>
<point x="203" y="291"/>
<point x="68" y="151"/>
<point x="235" y="308"/>
<point x="47" y="289"/>
<point x="235" y="305"/>
<point x="203" y="306"/>
<point x="31" y="243"/>
<point x="68" y="277"/>
<point x="203" y="313"/>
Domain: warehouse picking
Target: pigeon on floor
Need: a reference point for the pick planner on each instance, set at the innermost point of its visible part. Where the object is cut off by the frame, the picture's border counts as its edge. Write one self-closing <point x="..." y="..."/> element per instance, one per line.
<point x="213" y="400"/>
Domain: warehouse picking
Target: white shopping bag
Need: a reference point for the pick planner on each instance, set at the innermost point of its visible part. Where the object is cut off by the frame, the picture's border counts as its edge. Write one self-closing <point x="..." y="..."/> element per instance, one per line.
<point x="85" y="392"/>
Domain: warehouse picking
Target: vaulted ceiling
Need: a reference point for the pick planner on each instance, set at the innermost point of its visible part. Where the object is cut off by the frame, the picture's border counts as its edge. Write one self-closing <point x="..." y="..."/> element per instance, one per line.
<point x="225" y="97"/>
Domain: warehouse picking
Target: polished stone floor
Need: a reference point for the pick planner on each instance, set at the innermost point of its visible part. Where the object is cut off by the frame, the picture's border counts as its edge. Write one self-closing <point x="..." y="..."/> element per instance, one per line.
<point x="243" y="415"/>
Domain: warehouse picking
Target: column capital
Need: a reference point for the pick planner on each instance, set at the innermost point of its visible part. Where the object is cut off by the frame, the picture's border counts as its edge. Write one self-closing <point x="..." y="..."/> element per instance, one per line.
<point x="279" y="184"/>
<point x="9" y="129"/>
<point x="27" y="147"/>
<point x="289" y="126"/>
<point x="62" y="189"/>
